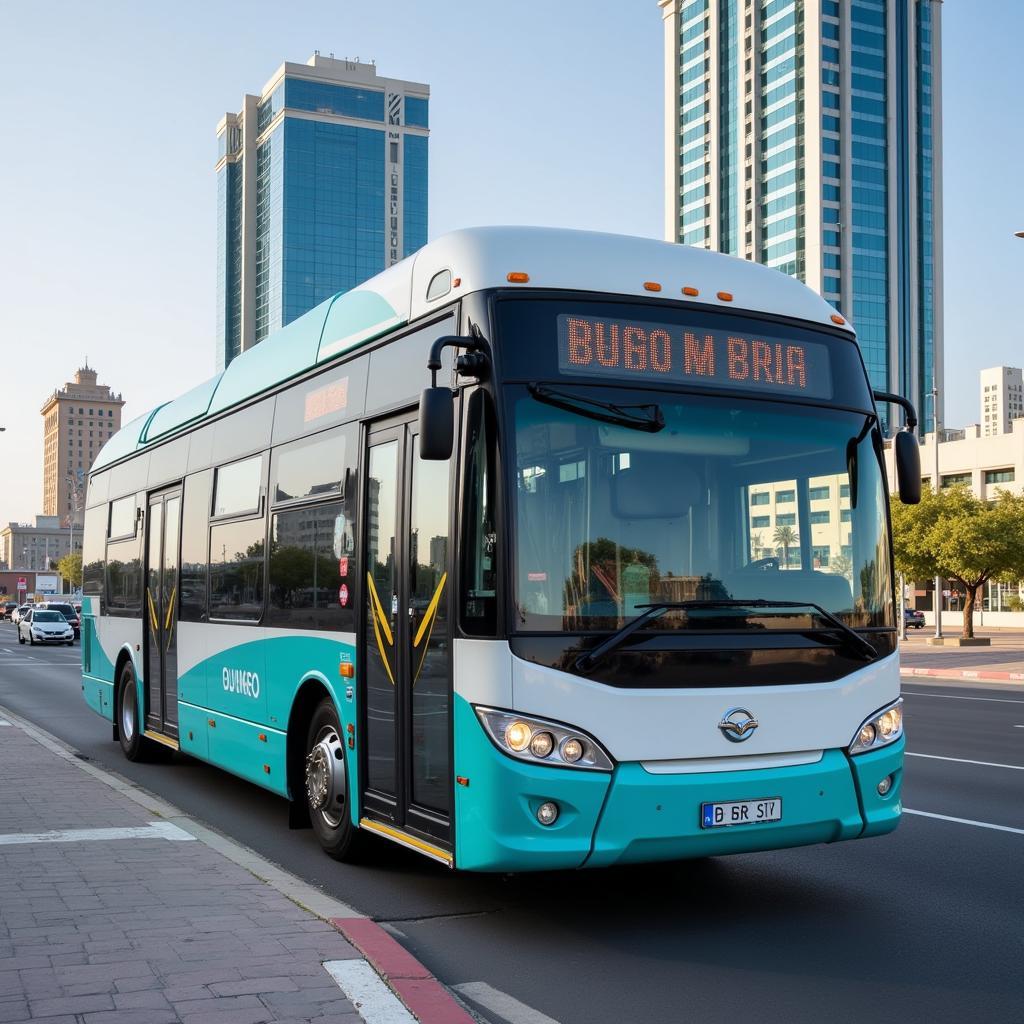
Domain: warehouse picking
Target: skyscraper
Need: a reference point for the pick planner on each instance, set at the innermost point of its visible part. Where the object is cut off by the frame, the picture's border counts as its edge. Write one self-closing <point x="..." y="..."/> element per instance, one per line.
<point x="805" y="134"/>
<point x="321" y="183"/>
<point x="77" y="422"/>
<point x="1002" y="399"/>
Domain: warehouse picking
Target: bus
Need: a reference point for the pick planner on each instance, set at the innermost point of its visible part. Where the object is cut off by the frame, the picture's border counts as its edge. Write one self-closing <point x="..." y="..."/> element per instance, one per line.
<point x="541" y="549"/>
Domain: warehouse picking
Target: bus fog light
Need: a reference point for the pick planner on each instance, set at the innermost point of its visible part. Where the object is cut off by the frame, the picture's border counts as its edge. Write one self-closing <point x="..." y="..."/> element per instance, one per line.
<point x="572" y="750"/>
<point x="517" y="736"/>
<point x="885" y="785"/>
<point x="547" y="813"/>
<point x="542" y="744"/>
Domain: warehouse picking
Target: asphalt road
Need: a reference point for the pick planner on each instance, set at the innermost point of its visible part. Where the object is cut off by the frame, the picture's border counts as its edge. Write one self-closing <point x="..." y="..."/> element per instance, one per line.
<point x="922" y="925"/>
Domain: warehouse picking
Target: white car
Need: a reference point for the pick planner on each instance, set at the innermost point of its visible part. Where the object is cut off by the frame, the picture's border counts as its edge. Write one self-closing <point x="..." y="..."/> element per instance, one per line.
<point x="19" y="613"/>
<point x="43" y="626"/>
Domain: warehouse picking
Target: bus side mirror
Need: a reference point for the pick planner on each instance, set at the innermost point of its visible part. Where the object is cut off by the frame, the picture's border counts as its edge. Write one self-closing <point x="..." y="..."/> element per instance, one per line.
<point x="437" y="424"/>
<point x="907" y="454"/>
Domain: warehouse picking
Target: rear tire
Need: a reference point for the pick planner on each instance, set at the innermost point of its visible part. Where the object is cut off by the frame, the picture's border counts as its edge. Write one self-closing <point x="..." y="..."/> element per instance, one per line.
<point x="129" y="722"/>
<point x="326" y="787"/>
<point x="21" y="638"/>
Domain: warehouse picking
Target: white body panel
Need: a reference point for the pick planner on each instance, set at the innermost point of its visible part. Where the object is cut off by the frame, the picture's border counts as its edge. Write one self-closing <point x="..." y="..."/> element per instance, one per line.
<point x="676" y="730"/>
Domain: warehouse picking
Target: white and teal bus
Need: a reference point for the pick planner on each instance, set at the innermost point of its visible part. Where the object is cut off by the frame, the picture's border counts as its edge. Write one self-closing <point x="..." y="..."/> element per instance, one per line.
<point x="541" y="549"/>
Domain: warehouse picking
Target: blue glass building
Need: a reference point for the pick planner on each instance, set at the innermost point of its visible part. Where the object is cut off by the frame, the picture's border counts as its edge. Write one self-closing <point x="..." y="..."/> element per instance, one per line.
<point x="805" y="134"/>
<point x="321" y="183"/>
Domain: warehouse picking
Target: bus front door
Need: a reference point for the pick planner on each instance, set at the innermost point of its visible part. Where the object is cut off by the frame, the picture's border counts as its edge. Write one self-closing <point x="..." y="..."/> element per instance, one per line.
<point x="406" y="642"/>
<point x="163" y="525"/>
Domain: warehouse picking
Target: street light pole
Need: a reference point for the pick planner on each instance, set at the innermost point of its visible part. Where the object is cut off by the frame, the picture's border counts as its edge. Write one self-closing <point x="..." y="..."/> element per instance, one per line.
<point x="937" y="603"/>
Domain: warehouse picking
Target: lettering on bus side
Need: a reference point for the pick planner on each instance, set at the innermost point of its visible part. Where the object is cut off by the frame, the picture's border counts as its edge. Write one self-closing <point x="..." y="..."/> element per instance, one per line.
<point x="237" y="680"/>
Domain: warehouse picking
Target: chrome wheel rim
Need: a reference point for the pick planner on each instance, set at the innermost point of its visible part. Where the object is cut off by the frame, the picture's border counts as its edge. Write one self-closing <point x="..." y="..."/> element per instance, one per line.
<point x="128" y="713"/>
<point x="325" y="776"/>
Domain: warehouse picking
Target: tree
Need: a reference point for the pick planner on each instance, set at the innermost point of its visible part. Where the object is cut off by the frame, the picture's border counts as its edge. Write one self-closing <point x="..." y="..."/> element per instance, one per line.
<point x="785" y="537"/>
<point x="957" y="536"/>
<point x="70" y="567"/>
<point x="842" y="566"/>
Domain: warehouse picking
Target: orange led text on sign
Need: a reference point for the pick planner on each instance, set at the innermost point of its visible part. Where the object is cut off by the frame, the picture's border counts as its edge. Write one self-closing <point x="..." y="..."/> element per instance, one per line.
<point x="323" y="401"/>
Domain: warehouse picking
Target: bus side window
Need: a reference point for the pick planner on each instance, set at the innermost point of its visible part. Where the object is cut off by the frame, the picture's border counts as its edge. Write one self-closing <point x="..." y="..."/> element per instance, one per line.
<point x="479" y="542"/>
<point x="194" y="525"/>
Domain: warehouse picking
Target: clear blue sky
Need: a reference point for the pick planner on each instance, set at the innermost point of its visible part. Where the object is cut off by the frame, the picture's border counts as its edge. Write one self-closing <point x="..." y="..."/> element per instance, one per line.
<point x="541" y="113"/>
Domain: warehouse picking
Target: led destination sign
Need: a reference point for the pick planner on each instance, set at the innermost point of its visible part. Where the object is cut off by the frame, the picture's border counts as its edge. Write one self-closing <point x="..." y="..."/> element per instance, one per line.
<point x="626" y="349"/>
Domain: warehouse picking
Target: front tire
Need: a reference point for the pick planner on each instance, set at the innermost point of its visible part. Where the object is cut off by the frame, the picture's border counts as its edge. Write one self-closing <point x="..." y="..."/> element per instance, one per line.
<point x="129" y="721"/>
<point x="21" y="637"/>
<point x="326" y="784"/>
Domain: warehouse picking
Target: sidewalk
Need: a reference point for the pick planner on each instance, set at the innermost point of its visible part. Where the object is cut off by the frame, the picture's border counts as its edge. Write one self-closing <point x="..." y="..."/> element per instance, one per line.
<point x="1002" y="662"/>
<point x="117" y="909"/>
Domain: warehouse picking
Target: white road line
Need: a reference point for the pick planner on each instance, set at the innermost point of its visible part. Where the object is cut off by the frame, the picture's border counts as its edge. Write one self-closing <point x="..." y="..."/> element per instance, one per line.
<point x="965" y="821"/>
<point x="3" y="721"/>
<point x="964" y="760"/>
<point x="154" y="830"/>
<point x="502" y="1004"/>
<point x="373" y="1000"/>
<point x="952" y="696"/>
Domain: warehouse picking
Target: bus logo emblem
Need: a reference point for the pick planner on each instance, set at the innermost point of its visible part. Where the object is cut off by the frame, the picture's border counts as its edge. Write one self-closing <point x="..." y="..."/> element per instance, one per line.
<point x="737" y="725"/>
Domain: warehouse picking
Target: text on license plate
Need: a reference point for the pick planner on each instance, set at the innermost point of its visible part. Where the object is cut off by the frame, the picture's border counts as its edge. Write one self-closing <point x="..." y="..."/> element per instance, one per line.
<point x="740" y="812"/>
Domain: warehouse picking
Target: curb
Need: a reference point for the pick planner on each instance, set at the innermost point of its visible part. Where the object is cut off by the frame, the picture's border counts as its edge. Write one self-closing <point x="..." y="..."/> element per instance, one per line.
<point x="428" y="1000"/>
<point x="952" y="673"/>
<point x="426" y="997"/>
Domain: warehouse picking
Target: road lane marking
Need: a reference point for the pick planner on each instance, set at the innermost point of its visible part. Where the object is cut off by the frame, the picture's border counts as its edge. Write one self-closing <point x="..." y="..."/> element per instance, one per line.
<point x="3" y="721"/>
<point x="964" y="760"/>
<point x="363" y="988"/>
<point x="965" y="821"/>
<point x="154" y="830"/>
<point x="502" y="1004"/>
<point x="952" y="696"/>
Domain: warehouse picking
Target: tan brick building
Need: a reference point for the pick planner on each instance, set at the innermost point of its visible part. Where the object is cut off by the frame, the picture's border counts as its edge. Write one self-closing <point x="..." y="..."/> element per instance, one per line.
<point x="77" y="421"/>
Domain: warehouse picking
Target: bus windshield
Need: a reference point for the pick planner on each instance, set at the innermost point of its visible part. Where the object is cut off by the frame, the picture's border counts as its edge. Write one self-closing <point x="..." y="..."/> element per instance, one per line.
<point x="625" y="496"/>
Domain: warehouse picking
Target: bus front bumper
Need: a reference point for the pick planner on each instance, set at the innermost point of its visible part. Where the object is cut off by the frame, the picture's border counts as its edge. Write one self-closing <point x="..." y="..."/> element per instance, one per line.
<point x="633" y="816"/>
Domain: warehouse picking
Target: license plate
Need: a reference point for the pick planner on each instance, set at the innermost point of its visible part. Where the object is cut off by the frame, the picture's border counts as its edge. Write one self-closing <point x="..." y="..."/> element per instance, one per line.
<point x="741" y="812"/>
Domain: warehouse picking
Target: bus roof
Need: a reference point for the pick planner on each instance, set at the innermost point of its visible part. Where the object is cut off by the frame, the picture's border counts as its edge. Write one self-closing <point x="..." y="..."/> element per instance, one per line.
<point x="476" y="259"/>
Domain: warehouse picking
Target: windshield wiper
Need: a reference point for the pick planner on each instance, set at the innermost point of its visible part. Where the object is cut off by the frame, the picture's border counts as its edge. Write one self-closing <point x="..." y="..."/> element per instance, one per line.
<point x="648" y="418"/>
<point x="849" y="638"/>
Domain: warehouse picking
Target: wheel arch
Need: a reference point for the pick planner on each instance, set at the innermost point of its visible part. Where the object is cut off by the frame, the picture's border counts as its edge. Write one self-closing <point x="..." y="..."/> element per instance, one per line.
<point x="312" y="690"/>
<point x="124" y="655"/>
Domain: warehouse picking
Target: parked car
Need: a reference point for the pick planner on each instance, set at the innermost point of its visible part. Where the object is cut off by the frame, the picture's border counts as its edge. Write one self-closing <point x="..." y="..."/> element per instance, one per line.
<point x="45" y="626"/>
<point x="913" y="618"/>
<point x="19" y="613"/>
<point x="67" y="611"/>
<point x="8" y="609"/>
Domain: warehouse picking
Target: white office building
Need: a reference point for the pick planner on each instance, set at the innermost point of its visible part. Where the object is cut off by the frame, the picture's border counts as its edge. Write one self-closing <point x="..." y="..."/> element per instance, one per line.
<point x="1002" y="399"/>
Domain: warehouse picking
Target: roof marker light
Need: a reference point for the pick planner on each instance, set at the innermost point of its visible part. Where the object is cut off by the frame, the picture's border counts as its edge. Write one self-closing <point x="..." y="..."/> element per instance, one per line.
<point x="837" y="319"/>
<point x="517" y="277"/>
<point x="652" y="286"/>
<point x="725" y="296"/>
<point x="687" y="290"/>
<point x="457" y="282"/>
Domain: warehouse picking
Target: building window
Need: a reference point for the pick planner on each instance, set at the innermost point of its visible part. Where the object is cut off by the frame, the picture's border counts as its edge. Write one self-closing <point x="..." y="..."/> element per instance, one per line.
<point x="820" y="517"/>
<point x="786" y="519"/>
<point x="784" y="497"/>
<point x="761" y="498"/>
<point x="999" y="476"/>
<point x="956" y="479"/>
<point x="760" y="522"/>
<point x="818" y="493"/>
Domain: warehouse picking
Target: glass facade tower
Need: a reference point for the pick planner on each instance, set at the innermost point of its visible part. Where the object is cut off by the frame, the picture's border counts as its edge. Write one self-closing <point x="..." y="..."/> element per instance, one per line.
<point x="321" y="183"/>
<point x="805" y="134"/>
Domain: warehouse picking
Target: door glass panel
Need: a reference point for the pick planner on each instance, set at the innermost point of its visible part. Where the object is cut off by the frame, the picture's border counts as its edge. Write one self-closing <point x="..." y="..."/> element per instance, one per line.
<point x="169" y="623"/>
<point x="151" y="612"/>
<point x="429" y="633"/>
<point x="381" y="615"/>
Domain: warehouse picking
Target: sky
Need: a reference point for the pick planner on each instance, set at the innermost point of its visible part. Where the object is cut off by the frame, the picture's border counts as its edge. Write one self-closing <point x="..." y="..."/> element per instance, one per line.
<point x="541" y="113"/>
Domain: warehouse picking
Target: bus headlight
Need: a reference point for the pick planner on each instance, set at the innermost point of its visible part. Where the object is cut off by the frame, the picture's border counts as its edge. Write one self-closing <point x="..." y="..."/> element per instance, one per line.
<point x="542" y="742"/>
<point x="881" y="729"/>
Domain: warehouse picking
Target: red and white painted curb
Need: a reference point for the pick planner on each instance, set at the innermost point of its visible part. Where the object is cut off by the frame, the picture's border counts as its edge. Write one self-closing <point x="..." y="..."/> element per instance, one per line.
<point x="954" y="673"/>
<point x="427" y="999"/>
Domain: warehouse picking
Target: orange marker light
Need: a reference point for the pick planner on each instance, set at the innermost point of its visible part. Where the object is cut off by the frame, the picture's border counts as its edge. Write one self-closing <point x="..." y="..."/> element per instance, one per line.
<point x="263" y="737"/>
<point x="266" y="768"/>
<point x="346" y="670"/>
<point x="652" y="286"/>
<point x="725" y="296"/>
<point x="690" y="291"/>
<point x="837" y="319"/>
<point x="462" y="780"/>
<point x="517" y="277"/>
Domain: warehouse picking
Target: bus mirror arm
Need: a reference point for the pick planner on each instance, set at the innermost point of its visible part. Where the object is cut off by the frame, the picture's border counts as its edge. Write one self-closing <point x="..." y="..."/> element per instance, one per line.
<point x="437" y="409"/>
<point x="471" y="364"/>
<point x="906" y="450"/>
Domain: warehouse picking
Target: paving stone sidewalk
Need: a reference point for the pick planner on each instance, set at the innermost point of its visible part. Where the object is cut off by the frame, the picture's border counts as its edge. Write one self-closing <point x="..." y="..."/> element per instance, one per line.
<point x="149" y="930"/>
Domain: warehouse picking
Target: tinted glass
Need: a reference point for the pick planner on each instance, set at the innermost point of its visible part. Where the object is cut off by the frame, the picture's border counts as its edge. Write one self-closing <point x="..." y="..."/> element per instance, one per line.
<point x="124" y="578"/>
<point x="534" y="340"/>
<point x="238" y="487"/>
<point x="47" y="616"/>
<point x="309" y="468"/>
<point x="122" y="517"/>
<point x="194" y="535"/>
<point x="92" y="550"/>
<point x="236" y="570"/>
<point x="479" y="548"/>
<point x="398" y="370"/>
<point x="311" y="558"/>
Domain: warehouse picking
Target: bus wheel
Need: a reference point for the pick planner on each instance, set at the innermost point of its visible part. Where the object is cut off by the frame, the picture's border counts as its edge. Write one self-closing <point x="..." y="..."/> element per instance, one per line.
<point x="129" y="728"/>
<point x="326" y="780"/>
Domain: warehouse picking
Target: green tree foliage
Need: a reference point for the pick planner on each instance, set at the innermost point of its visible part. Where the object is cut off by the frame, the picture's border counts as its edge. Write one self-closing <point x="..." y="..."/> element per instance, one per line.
<point x="957" y="536"/>
<point x="785" y="537"/>
<point x="70" y="567"/>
